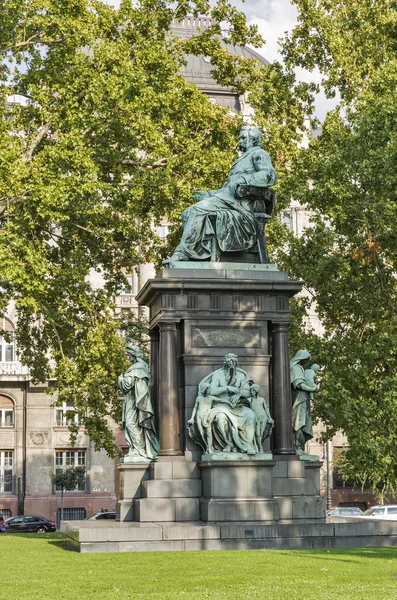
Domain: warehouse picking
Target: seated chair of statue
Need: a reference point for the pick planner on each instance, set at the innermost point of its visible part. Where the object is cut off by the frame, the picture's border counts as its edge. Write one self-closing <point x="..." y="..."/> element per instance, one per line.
<point x="261" y="202"/>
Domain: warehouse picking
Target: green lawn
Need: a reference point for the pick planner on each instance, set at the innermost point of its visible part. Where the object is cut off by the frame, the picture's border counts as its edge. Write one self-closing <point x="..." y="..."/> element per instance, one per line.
<point x="37" y="566"/>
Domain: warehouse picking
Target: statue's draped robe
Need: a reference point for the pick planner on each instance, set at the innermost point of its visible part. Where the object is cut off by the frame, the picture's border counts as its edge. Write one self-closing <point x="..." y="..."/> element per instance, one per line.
<point x="245" y="425"/>
<point x="224" y="216"/>
<point x="138" y="415"/>
<point x="301" y="415"/>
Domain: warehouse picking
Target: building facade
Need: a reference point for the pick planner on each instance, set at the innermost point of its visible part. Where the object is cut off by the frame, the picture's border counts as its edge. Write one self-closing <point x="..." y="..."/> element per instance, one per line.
<point x="35" y="442"/>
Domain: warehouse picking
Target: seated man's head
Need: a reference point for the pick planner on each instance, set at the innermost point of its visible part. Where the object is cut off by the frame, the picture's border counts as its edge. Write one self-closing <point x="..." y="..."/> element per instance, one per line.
<point x="230" y="360"/>
<point x="230" y="363"/>
<point x="249" y="137"/>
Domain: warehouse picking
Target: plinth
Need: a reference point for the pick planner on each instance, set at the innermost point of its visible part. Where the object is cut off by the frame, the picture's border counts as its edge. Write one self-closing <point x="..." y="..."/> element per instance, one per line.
<point x="239" y="489"/>
<point x="198" y="313"/>
<point x="131" y="477"/>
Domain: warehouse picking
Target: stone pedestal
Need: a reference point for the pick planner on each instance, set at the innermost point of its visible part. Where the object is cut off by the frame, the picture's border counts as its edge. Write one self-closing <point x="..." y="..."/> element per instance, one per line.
<point x="239" y="490"/>
<point x="198" y="313"/>
<point x="131" y="477"/>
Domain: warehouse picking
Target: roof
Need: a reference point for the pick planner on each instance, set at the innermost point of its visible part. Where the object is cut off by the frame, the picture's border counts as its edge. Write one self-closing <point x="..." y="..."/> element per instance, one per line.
<point x="198" y="68"/>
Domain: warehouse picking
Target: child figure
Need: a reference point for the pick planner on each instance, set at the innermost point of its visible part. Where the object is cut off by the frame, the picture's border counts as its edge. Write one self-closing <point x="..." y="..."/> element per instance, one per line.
<point x="264" y="423"/>
<point x="311" y="377"/>
<point x="201" y="409"/>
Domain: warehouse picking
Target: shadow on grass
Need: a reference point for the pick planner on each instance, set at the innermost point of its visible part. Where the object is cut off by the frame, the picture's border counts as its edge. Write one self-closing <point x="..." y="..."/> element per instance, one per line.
<point x="62" y="544"/>
<point x="36" y="536"/>
<point x="348" y="555"/>
<point x="53" y="539"/>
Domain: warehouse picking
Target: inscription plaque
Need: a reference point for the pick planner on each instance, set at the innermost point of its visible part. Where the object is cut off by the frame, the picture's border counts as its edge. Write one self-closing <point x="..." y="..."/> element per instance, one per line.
<point x="231" y="337"/>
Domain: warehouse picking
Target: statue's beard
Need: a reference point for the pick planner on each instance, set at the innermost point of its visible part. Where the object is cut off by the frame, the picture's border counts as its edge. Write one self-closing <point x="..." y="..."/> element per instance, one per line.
<point x="230" y="371"/>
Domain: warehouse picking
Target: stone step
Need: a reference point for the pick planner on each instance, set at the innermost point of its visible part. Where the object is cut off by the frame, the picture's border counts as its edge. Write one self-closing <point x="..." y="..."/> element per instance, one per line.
<point x="167" y="509"/>
<point x="301" y="507"/>
<point x="174" y="470"/>
<point x="110" y="536"/>
<point x="294" y="487"/>
<point x="171" y="488"/>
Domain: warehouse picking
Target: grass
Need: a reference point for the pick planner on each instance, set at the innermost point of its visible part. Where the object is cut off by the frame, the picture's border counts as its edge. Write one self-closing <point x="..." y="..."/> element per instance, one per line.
<point x="37" y="566"/>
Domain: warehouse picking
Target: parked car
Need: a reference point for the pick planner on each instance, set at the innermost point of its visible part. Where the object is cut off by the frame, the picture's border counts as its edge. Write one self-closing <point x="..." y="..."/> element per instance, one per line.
<point x="104" y="513"/>
<point x="29" y="523"/>
<point x="386" y="512"/>
<point x="345" y="511"/>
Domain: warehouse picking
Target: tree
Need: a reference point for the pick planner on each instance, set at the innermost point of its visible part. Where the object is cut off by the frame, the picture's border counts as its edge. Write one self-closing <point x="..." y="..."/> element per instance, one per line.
<point x="348" y="257"/>
<point x="108" y="140"/>
<point x="68" y="480"/>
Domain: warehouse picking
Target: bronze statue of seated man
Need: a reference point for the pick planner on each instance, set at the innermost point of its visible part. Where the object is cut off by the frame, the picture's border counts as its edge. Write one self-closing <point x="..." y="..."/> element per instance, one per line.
<point x="222" y="214"/>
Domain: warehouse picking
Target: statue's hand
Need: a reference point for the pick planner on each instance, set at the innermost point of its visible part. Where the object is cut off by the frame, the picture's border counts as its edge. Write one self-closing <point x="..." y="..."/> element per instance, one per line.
<point x="232" y="389"/>
<point x="234" y="400"/>
<point x="199" y="195"/>
<point x="241" y="191"/>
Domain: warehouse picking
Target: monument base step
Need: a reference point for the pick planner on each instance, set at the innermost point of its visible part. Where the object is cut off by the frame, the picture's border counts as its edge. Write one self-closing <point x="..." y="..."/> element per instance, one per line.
<point x="111" y="536"/>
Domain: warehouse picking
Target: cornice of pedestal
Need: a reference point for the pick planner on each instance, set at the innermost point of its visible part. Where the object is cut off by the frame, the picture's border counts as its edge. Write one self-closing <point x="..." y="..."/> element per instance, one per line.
<point x="268" y="283"/>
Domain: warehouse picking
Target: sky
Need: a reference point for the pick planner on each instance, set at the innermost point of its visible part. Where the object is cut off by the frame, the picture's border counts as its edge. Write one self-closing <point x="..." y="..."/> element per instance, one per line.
<point x="274" y="18"/>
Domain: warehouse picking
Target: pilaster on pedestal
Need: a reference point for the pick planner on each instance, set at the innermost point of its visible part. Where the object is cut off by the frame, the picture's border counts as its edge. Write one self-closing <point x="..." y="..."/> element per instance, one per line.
<point x="281" y="391"/>
<point x="168" y="406"/>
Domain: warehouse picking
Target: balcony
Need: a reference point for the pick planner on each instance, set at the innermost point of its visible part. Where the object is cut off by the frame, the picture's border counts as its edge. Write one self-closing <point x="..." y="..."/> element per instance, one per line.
<point x="13" y="368"/>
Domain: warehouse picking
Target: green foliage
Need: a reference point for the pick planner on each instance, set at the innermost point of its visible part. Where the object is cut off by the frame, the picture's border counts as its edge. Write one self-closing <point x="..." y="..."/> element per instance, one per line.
<point x="108" y="140"/>
<point x="68" y="479"/>
<point x="348" y="256"/>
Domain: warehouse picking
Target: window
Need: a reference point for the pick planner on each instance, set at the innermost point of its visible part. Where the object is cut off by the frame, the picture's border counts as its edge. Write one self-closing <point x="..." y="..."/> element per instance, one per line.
<point x="5" y="513"/>
<point x="7" y="346"/>
<point x="70" y="458"/>
<point x="71" y="514"/>
<point x="106" y="515"/>
<point x="128" y="289"/>
<point x="392" y="510"/>
<point x="163" y="231"/>
<point x="6" y="471"/>
<point x="6" y="412"/>
<point x="361" y="505"/>
<point x="65" y="415"/>
<point x="286" y="219"/>
<point x="339" y="482"/>
<point x="378" y="511"/>
<point x="17" y="520"/>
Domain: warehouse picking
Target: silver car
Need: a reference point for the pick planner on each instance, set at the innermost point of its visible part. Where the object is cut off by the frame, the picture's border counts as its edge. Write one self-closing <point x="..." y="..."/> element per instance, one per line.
<point x="102" y="515"/>
<point x="386" y="512"/>
<point x="345" y="511"/>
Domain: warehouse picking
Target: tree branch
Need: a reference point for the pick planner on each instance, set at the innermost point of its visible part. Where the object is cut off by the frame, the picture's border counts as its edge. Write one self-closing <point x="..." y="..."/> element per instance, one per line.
<point x="41" y="133"/>
<point x="161" y="162"/>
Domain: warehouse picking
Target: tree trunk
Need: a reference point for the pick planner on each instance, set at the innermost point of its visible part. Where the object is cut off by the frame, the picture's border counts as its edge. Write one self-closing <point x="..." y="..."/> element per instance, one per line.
<point x="61" y="519"/>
